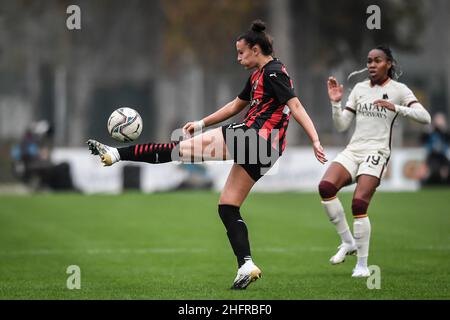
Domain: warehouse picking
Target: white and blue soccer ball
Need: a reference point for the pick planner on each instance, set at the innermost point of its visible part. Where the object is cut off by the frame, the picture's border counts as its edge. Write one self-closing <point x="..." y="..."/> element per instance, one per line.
<point x="125" y="124"/>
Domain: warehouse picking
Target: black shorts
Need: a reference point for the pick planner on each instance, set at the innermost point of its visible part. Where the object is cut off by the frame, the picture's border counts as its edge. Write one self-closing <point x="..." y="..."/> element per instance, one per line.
<point x="248" y="149"/>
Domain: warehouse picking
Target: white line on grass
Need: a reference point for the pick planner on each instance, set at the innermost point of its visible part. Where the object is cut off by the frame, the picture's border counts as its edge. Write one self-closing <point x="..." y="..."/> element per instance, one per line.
<point x="98" y="251"/>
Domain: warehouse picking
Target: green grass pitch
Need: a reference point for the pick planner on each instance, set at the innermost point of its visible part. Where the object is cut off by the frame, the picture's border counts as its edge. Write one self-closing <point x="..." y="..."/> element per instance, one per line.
<point x="174" y="246"/>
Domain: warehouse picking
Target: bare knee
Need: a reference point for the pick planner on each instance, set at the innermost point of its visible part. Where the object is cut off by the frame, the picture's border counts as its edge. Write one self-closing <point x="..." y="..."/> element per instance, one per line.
<point x="367" y="185"/>
<point x="364" y="195"/>
<point x="185" y="148"/>
<point x="191" y="150"/>
<point x="232" y="196"/>
<point x="229" y="200"/>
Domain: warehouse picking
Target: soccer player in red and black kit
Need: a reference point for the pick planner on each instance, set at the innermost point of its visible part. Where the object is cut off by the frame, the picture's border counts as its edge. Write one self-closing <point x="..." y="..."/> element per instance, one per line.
<point x="254" y="144"/>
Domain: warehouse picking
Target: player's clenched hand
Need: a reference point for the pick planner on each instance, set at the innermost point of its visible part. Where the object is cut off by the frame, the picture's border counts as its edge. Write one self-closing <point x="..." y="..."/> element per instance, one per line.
<point x="191" y="127"/>
<point x="188" y="129"/>
<point x="318" y="152"/>
<point x="335" y="90"/>
<point x="384" y="104"/>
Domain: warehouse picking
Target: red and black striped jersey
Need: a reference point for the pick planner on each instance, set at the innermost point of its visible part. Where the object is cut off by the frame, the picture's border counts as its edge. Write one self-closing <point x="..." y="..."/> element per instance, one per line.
<point x="268" y="90"/>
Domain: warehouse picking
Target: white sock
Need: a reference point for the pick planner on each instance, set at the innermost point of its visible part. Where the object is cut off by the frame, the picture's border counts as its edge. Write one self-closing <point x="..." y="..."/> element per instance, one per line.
<point x="362" y="262"/>
<point x="336" y="214"/>
<point x="361" y="230"/>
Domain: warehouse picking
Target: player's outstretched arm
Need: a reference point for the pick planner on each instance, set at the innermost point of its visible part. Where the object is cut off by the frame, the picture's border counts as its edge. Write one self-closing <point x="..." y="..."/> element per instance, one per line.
<point x="414" y="111"/>
<point x="301" y="116"/>
<point x="230" y="109"/>
<point x="341" y="118"/>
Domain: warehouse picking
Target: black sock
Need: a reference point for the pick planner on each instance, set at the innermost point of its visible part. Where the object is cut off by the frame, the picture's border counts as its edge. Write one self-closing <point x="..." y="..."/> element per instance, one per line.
<point x="236" y="231"/>
<point x="151" y="152"/>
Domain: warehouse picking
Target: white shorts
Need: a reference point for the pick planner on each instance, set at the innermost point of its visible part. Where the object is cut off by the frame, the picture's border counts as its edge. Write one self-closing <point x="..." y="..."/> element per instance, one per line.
<point x="371" y="163"/>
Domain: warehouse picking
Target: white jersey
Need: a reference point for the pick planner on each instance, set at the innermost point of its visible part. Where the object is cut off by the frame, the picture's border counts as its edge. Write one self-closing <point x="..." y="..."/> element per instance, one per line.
<point x="373" y="131"/>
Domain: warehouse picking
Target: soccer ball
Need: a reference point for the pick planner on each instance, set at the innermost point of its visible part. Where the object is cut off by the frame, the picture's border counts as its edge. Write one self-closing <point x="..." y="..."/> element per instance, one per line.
<point x="125" y="124"/>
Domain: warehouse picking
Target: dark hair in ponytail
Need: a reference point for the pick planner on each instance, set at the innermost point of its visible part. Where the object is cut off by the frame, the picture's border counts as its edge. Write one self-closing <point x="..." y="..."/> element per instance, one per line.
<point x="257" y="36"/>
<point x="392" y="73"/>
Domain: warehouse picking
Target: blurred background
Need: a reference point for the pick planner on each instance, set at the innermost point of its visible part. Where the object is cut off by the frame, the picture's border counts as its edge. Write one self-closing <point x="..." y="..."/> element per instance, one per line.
<point x="175" y="61"/>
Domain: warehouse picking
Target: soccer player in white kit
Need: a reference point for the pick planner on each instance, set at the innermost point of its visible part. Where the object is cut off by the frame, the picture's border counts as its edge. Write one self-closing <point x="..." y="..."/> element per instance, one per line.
<point x="374" y="104"/>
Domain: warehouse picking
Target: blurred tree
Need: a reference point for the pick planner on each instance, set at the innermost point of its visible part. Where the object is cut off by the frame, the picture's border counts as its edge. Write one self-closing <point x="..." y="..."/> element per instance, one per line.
<point x="340" y="30"/>
<point x="116" y="43"/>
<point x="200" y="35"/>
<point x="204" y="31"/>
<point x="136" y="41"/>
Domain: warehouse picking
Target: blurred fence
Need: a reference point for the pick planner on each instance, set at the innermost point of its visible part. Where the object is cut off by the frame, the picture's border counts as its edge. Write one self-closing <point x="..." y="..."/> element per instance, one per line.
<point x="175" y="61"/>
<point x="297" y="170"/>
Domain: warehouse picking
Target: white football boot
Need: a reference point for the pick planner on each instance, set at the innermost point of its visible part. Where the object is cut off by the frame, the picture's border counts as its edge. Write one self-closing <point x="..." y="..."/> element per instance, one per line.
<point x="361" y="272"/>
<point x="345" y="249"/>
<point x="108" y="155"/>
<point x="246" y="274"/>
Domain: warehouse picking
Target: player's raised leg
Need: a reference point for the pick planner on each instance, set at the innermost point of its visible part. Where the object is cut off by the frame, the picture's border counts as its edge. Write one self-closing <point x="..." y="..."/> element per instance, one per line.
<point x="334" y="179"/>
<point x="364" y="191"/>
<point x="236" y="189"/>
<point x="206" y="146"/>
